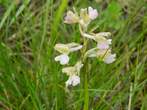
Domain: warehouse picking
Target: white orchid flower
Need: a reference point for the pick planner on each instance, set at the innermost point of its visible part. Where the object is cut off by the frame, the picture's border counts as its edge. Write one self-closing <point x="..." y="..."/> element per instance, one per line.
<point x="73" y="72"/>
<point x="73" y="81"/>
<point x="92" y="13"/>
<point x="84" y="18"/>
<point x="103" y="54"/>
<point x="96" y="52"/>
<point x="63" y="59"/>
<point x="109" y="58"/>
<point x="106" y="56"/>
<point x="100" y="38"/>
<point x="86" y="15"/>
<point x="103" y="43"/>
<point x="71" y="18"/>
<point x="65" y="49"/>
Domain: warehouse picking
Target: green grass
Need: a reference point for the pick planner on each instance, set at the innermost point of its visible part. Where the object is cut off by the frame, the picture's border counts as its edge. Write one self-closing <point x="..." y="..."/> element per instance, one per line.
<point x="30" y="79"/>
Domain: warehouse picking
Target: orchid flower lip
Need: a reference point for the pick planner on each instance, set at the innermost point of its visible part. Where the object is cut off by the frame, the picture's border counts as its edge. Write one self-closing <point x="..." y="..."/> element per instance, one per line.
<point x="73" y="81"/>
<point x="110" y="58"/>
<point x="103" y="46"/>
<point x="63" y="59"/>
<point x="92" y="13"/>
<point x="73" y="73"/>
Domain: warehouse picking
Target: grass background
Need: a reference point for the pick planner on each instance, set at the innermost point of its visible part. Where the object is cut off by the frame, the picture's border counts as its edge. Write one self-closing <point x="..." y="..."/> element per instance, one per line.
<point x="30" y="79"/>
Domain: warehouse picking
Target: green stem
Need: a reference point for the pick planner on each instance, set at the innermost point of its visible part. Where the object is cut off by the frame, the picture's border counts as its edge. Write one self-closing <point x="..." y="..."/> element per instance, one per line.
<point x="130" y="97"/>
<point x="85" y="61"/>
<point x="86" y="93"/>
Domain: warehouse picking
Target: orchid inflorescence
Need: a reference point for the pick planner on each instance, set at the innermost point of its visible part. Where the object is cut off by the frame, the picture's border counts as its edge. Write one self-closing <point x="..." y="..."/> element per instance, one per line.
<point x="102" y="51"/>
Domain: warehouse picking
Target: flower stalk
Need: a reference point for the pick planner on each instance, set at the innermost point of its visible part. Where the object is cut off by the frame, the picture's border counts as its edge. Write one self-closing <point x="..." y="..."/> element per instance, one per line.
<point x="102" y="51"/>
<point x="86" y="70"/>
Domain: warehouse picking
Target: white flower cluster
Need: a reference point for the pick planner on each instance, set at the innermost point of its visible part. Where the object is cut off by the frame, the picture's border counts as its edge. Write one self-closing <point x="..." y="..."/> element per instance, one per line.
<point x="85" y="17"/>
<point x="65" y="49"/>
<point x="72" y="71"/>
<point x="102" y="51"/>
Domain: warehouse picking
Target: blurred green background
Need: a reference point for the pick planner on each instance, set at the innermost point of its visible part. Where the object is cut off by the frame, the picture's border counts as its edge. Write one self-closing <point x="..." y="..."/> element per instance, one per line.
<point x="30" y="79"/>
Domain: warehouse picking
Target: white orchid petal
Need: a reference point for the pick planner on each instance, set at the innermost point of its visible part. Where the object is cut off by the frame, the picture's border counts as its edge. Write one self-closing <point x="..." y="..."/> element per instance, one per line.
<point x="109" y="41"/>
<point x="68" y="82"/>
<point x="73" y="70"/>
<point x="62" y="48"/>
<point x="76" y="80"/>
<point x="92" y="13"/>
<point x="71" y="18"/>
<point x="69" y="70"/>
<point x="104" y="34"/>
<point x="88" y="36"/>
<point x="92" y="52"/>
<point x="63" y="59"/>
<point x="110" y="58"/>
<point x="57" y="58"/>
<point x="103" y="45"/>
<point x="78" y="67"/>
<point x="76" y="48"/>
<point x="73" y="81"/>
<point x="72" y="44"/>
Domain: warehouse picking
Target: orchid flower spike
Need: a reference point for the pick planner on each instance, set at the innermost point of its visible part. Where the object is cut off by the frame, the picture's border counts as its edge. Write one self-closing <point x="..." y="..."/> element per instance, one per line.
<point x="102" y="51"/>
<point x="65" y="49"/>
